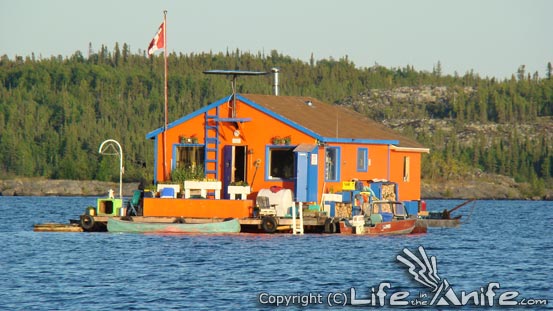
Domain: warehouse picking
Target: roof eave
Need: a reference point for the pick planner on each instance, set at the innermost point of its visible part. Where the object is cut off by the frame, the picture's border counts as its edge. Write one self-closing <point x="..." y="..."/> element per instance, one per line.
<point x="410" y="149"/>
<point x="187" y="117"/>
<point x="360" y="141"/>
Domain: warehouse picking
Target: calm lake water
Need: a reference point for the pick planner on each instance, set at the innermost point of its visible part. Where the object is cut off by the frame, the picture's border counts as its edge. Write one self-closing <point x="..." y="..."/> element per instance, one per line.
<point x="508" y="242"/>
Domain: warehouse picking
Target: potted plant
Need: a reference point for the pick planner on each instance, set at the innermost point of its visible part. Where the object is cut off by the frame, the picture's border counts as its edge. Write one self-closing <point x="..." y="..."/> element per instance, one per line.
<point x="182" y="139"/>
<point x="286" y="140"/>
<point x="188" y="140"/>
<point x="276" y="140"/>
<point x="187" y="172"/>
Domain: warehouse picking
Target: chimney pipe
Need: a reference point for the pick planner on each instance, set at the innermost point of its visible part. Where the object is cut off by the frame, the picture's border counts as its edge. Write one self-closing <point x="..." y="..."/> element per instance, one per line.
<point x="275" y="80"/>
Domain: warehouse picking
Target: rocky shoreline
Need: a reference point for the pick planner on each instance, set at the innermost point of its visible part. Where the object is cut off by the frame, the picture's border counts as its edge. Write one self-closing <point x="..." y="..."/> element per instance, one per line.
<point x="498" y="188"/>
<point x="61" y="187"/>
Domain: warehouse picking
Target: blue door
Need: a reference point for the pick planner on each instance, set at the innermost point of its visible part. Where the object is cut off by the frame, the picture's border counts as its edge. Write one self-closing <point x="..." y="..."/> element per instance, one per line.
<point x="227" y="169"/>
<point x="306" y="173"/>
<point x="302" y="176"/>
<point x="234" y="166"/>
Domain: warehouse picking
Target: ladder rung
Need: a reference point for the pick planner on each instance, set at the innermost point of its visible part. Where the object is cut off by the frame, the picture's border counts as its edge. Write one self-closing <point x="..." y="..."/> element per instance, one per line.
<point x="212" y="144"/>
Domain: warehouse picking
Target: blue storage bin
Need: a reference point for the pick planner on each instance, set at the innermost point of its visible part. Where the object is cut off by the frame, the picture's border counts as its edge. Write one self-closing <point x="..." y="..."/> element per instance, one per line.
<point x="346" y="196"/>
<point x="412" y="207"/>
<point x="167" y="193"/>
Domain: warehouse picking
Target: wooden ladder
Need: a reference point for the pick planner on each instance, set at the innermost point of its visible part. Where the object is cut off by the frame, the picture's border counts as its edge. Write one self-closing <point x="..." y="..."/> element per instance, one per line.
<point x="297" y="226"/>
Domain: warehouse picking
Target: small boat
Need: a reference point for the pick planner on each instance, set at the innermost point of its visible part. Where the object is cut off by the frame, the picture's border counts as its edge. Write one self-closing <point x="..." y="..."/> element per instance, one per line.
<point x="439" y="223"/>
<point x="383" y="218"/>
<point x="396" y="227"/>
<point x="128" y="226"/>
<point x="442" y="219"/>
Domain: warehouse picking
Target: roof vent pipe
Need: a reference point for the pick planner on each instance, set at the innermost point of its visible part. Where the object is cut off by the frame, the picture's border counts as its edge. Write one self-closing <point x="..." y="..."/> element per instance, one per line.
<point x="275" y="80"/>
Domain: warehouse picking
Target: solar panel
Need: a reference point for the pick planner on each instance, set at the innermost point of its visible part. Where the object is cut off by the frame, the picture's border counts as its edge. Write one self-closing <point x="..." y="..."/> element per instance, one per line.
<point x="235" y="72"/>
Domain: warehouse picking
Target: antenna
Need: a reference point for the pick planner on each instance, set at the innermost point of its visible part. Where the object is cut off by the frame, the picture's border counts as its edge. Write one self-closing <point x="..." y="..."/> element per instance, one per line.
<point x="113" y="147"/>
<point x="235" y="74"/>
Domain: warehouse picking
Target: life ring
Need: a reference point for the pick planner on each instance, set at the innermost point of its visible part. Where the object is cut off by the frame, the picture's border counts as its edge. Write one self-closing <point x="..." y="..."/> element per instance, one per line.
<point x="269" y="224"/>
<point x="330" y="226"/>
<point x="87" y="222"/>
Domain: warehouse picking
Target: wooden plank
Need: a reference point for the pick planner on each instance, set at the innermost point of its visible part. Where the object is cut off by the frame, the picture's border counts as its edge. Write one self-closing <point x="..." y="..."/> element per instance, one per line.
<point x="53" y="227"/>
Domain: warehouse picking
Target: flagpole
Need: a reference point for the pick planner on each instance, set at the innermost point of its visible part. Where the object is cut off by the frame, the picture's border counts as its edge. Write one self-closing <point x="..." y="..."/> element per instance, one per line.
<point x="165" y="175"/>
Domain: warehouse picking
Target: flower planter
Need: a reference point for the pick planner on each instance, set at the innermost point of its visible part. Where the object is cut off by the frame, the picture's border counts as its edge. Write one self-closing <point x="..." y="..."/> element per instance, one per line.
<point x="243" y="191"/>
<point x="203" y="186"/>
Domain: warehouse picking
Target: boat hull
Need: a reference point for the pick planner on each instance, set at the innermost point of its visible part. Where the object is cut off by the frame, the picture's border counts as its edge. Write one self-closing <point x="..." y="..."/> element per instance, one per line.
<point x="125" y="226"/>
<point x="397" y="227"/>
<point x="439" y="223"/>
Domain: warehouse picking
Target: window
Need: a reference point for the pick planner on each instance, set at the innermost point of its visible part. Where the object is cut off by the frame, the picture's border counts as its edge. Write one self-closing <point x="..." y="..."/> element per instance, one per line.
<point x="190" y="157"/>
<point x="362" y="159"/>
<point x="332" y="164"/>
<point x="281" y="163"/>
<point x="406" y="168"/>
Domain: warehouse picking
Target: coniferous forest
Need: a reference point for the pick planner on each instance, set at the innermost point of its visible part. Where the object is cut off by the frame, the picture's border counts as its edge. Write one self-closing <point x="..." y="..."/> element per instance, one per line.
<point x="55" y="112"/>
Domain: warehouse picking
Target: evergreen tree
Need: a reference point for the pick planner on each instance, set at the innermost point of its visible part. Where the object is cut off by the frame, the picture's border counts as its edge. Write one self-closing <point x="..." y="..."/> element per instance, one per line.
<point x="55" y="112"/>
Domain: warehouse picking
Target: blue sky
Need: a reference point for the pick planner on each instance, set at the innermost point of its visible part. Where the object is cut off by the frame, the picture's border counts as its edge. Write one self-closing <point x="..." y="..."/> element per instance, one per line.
<point x="491" y="37"/>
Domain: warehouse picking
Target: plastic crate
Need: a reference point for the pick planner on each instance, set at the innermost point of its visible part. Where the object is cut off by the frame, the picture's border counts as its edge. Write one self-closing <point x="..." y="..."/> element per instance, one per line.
<point x="348" y="185"/>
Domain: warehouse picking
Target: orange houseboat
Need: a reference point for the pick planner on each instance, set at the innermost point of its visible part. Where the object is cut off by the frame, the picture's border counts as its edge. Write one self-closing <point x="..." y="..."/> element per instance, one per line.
<point x="269" y="141"/>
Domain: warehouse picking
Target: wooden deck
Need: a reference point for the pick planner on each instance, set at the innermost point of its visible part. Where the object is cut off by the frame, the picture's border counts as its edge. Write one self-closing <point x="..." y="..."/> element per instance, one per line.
<point x="283" y="223"/>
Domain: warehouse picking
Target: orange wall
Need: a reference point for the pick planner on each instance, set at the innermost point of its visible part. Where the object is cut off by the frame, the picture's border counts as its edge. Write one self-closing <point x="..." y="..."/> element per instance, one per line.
<point x="408" y="190"/>
<point x="156" y="207"/>
<point x="257" y="134"/>
<point x="193" y="127"/>
<point x="377" y="169"/>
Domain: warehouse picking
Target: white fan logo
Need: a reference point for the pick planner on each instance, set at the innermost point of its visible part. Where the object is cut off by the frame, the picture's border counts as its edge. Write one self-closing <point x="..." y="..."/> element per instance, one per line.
<point x="425" y="271"/>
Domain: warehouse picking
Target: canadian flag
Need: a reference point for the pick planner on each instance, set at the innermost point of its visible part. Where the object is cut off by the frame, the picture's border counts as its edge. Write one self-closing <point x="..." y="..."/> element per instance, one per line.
<point x="158" y="42"/>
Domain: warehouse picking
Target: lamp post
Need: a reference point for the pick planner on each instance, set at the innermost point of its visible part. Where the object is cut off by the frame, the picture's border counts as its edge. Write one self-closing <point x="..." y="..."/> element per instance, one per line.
<point x="105" y="148"/>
